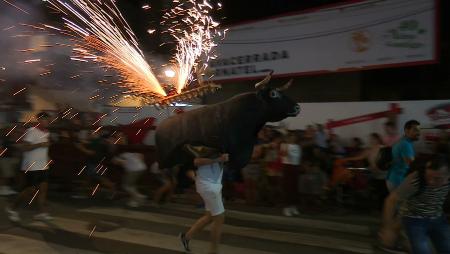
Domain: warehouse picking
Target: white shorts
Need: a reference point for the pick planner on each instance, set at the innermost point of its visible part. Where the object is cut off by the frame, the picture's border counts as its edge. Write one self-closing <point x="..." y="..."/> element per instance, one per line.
<point x="212" y="197"/>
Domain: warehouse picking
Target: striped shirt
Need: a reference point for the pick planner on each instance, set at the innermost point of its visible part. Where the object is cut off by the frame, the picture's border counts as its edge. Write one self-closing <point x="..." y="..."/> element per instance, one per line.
<point x="426" y="204"/>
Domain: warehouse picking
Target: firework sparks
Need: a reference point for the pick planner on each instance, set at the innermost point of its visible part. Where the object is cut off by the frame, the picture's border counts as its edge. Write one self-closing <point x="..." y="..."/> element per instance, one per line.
<point x="48" y="164"/>
<point x="97" y="130"/>
<point x="30" y="166"/>
<point x="31" y="61"/>
<point x="21" y="90"/>
<point x="9" y="132"/>
<point x="194" y="35"/>
<point x="3" y="152"/>
<point x="103" y="36"/>
<point x="15" y="6"/>
<point x="95" y="190"/>
<point x="92" y="231"/>
<point x="81" y="171"/>
<point x="34" y="196"/>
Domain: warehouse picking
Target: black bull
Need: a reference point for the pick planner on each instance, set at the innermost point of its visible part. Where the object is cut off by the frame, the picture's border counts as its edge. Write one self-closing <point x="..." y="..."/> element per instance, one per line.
<point x="230" y="127"/>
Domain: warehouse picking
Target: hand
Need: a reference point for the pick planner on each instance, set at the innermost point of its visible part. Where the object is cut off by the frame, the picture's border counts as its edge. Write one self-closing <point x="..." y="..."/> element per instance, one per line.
<point x="44" y="144"/>
<point x="224" y="157"/>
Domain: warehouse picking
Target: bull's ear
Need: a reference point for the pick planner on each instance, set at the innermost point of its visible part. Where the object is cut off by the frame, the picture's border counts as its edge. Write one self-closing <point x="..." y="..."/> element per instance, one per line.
<point x="261" y="84"/>
<point x="286" y="86"/>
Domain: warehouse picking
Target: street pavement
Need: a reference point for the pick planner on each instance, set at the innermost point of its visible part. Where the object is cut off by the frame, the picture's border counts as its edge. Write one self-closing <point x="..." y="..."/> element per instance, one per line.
<point x="97" y="225"/>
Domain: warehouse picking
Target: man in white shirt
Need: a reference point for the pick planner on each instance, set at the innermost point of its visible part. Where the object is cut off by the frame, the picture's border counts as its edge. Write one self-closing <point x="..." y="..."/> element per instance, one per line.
<point x="35" y="164"/>
<point x="208" y="182"/>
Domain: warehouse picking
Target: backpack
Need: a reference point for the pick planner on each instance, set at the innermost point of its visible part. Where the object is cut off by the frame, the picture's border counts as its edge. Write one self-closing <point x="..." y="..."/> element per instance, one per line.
<point x="384" y="158"/>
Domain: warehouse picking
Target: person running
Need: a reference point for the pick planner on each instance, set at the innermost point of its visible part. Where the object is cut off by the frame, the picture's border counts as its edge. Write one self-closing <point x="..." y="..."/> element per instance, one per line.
<point x="135" y="167"/>
<point x="35" y="166"/>
<point x="208" y="182"/>
<point x="421" y="198"/>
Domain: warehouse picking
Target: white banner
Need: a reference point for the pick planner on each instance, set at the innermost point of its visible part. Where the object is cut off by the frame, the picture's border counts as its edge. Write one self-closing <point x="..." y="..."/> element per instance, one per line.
<point x="363" y="35"/>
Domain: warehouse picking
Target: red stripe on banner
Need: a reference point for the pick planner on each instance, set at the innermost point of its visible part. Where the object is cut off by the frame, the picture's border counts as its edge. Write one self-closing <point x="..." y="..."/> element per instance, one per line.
<point x="364" y="118"/>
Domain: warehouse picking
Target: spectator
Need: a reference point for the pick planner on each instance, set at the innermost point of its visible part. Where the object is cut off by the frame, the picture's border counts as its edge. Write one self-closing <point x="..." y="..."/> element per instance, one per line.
<point x="311" y="182"/>
<point x="336" y="148"/>
<point x="9" y="161"/>
<point x="251" y="174"/>
<point x="274" y="170"/>
<point x="321" y="137"/>
<point x="356" y="147"/>
<point x="403" y="155"/>
<point x="392" y="135"/>
<point x="167" y="178"/>
<point x="423" y="194"/>
<point x="370" y="154"/>
<point x="290" y="152"/>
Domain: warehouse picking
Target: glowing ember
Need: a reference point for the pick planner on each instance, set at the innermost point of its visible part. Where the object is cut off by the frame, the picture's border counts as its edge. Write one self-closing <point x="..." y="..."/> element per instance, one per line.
<point x="81" y="171"/>
<point x="95" y="190"/>
<point x="9" y="132"/>
<point x="35" y="194"/>
<point x="21" y="90"/>
<point x="30" y="166"/>
<point x="3" y="152"/>
<point x="15" y="6"/>
<point x="92" y="231"/>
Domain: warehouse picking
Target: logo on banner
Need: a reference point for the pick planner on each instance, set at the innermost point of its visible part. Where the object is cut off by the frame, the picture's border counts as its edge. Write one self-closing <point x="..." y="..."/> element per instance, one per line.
<point x="405" y="35"/>
<point x="440" y="115"/>
<point x="360" y="41"/>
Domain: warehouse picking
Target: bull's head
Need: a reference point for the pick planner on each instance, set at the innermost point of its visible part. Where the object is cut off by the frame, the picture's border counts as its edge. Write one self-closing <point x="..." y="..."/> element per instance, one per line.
<point x="279" y="106"/>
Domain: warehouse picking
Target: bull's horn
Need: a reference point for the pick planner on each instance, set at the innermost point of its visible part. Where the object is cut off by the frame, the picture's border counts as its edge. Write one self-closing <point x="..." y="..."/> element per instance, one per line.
<point x="263" y="82"/>
<point x="286" y="86"/>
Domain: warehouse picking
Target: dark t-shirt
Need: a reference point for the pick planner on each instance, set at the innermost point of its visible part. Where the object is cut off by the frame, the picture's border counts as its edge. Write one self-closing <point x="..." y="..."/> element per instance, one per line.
<point x="12" y="151"/>
<point x="100" y="148"/>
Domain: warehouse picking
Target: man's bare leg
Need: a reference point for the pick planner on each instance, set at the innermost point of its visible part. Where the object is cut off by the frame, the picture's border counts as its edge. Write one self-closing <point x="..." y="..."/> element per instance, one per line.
<point x="42" y="197"/>
<point x="24" y="195"/>
<point x="216" y="232"/>
<point x="199" y="225"/>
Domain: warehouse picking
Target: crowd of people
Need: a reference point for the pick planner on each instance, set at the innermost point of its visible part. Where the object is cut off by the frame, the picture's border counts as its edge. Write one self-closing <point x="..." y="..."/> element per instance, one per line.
<point x="295" y="171"/>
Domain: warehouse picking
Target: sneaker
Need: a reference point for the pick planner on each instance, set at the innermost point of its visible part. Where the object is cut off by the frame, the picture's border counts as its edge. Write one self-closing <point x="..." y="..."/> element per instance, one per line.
<point x="141" y="197"/>
<point x="43" y="217"/>
<point x="184" y="242"/>
<point x="287" y="212"/>
<point x="6" y="191"/>
<point x="294" y="211"/>
<point x="395" y="249"/>
<point x="12" y="215"/>
<point x="133" y="204"/>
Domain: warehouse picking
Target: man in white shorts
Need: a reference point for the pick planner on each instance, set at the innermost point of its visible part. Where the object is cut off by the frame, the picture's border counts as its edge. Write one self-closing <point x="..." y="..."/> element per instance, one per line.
<point x="208" y="182"/>
<point x="35" y="164"/>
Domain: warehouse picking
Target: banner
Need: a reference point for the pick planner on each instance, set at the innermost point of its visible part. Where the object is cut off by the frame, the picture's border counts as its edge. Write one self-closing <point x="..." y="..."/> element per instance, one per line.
<point x="362" y="35"/>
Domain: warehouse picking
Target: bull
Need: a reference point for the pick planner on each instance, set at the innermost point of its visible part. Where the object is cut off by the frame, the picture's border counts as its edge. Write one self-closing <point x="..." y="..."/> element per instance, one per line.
<point x="230" y="126"/>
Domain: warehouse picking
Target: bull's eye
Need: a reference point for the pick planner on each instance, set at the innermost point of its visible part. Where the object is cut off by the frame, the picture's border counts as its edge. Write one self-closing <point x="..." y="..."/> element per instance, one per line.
<point x="274" y="94"/>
